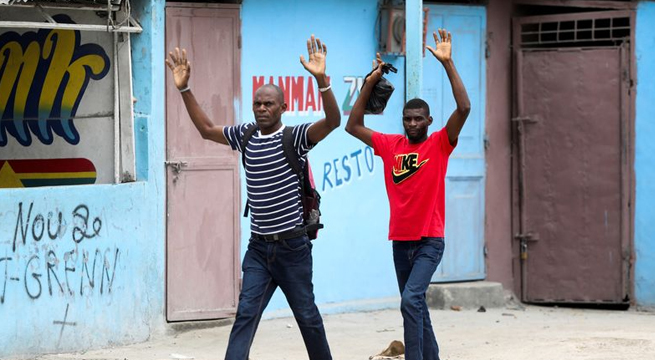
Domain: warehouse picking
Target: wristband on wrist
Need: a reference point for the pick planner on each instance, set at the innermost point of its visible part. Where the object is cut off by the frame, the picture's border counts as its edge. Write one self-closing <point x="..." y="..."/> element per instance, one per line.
<point x="187" y="88"/>
<point x="325" y="88"/>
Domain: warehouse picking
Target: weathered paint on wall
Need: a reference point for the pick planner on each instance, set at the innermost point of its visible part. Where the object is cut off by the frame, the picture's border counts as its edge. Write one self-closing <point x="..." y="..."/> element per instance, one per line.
<point x="83" y="266"/>
<point x="644" y="226"/>
<point x="352" y="258"/>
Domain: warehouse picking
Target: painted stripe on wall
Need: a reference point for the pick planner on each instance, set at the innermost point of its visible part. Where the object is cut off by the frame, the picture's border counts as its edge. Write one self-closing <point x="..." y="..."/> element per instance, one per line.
<point x="644" y="227"/>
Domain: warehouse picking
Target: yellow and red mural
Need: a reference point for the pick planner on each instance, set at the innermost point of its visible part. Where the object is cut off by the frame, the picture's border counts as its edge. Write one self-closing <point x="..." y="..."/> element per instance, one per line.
<point x="48" y="172"/>
<point x="44" y="76"/>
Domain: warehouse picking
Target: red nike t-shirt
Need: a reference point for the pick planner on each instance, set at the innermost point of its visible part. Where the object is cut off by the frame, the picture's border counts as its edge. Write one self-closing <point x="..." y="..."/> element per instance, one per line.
<point x="414" y="175"/>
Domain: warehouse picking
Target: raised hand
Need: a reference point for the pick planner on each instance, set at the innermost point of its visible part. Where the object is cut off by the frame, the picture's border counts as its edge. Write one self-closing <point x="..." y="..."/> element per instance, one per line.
<point x="181" y="68"/>
<point x="317" y="52"/>
<point x="443" y="51"/>
<point x="376" y="75"/>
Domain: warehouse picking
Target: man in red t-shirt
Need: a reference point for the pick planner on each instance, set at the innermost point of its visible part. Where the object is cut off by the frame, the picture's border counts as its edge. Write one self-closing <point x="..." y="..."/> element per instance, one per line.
<point x="414" y="172"/>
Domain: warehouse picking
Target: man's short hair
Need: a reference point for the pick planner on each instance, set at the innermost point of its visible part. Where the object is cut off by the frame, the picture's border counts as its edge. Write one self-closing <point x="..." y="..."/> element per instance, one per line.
<point x="280" y="93"/>
<point x="417" y="103"/>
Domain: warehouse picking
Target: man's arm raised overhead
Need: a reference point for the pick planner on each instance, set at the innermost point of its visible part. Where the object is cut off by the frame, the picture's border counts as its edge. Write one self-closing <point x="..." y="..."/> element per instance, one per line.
<point x="355" y="125"/>
<point x="443" y="53"/>
<point x="181" y="68"/>
<point x="317" y="52"/>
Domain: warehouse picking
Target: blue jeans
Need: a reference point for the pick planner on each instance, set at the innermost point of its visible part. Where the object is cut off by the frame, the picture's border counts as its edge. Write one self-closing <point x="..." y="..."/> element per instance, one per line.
<point x="416" y="262"/>
<point x="267" y="265"/>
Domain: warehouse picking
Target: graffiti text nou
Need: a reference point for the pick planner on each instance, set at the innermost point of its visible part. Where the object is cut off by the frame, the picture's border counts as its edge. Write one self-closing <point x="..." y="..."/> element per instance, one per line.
<point x="35" y="258"/>
<point x="43" y="76"/>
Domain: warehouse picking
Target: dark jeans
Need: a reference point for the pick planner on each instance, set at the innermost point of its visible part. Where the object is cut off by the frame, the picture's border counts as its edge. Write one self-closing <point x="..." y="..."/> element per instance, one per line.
<point x="416" y="262"/>
<point x="267" y="265"/>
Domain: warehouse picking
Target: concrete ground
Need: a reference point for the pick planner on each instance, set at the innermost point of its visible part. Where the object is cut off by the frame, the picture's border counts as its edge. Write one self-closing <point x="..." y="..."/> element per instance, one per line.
<point x="530" y="333"/>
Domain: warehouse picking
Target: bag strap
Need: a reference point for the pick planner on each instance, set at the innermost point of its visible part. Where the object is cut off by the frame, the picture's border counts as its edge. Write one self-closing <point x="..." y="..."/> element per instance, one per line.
<point x="292" y="158"/>
<point x="290" y="151"/>
<point x="244" y="142"/>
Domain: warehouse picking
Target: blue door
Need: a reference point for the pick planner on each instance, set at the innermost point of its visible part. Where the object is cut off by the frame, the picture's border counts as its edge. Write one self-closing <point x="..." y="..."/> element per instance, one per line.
<point x="464" y="255"/>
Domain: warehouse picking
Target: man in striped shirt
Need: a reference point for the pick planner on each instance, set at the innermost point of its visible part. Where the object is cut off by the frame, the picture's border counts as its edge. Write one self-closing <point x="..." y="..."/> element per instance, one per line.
<point x="279" y="252"/>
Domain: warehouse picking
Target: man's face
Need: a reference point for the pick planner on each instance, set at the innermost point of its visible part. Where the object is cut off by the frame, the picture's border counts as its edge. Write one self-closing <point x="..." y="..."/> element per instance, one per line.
<point x="416" y="123"/>
<point x="268" y="107"/>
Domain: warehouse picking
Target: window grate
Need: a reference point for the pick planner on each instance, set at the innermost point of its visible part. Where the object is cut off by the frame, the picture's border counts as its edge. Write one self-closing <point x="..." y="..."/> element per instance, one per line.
<point x="575" y="32"/>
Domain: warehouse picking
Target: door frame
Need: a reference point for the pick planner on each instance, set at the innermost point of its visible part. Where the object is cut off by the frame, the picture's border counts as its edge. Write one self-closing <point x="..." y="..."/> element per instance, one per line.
<point x="224" y="313"/>
<point x="474" y="162"/>
<point x="519" y="241"/>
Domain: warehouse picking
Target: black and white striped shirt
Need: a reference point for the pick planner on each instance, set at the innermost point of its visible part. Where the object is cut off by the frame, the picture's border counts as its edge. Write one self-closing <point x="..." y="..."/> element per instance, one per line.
<point x="273" y="187"/>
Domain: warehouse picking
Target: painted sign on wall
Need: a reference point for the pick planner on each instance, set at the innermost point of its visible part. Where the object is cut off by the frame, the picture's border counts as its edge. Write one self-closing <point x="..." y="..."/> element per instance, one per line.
<point x="345" y="168"/>
<point x="56" y="105"/>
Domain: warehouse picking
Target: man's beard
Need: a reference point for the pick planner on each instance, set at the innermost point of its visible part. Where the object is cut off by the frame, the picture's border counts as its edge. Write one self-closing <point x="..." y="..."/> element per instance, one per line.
<point x="418" y="137"/>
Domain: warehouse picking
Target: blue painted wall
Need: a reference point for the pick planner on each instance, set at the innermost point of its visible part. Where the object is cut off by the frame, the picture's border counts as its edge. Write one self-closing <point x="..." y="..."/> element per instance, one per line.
<point x="353" y="267"/>
<point x="644" y="226"/>
<point x="352" y="257"/>
<point x="104" y="269"/>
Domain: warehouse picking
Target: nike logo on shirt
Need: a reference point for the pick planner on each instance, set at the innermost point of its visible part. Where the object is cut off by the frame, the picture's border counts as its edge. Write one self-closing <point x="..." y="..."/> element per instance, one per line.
<point x="406" y="166"/>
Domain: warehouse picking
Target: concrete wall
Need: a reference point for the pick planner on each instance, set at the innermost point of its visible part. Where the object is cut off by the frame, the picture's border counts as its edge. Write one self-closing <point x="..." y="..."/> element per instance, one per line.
<point x="644" y="225"/>
<point x="353" y="266"/>
<point x="498" y="232"/>
<point x="95" y="277"/>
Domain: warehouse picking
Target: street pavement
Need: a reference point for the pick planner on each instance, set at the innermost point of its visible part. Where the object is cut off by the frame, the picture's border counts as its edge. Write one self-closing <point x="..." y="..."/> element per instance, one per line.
<point x="517" y="333"/>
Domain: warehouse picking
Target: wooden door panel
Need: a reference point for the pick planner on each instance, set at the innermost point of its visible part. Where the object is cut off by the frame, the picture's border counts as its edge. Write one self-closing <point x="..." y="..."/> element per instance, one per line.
<point x="201" y="266"/>
<point x="210" y="37"/>
<point x="464" y="204"/>
<point x="203" y="201"/>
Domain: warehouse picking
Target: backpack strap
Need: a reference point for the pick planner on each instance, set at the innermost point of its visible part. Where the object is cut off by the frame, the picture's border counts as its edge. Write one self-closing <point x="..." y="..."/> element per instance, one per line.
<point x="292" y="158"/>
<point x="290" y="151"/>
<point x="244" y="142"/>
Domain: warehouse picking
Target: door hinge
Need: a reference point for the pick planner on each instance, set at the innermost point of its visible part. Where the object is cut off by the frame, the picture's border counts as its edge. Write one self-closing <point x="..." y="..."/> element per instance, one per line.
<point x="487" y="51"/>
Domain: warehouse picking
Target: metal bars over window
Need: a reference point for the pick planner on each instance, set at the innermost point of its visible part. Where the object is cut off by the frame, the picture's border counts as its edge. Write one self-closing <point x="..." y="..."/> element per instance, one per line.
<point x="586" y="29"/>
<point x="117" y="15"/>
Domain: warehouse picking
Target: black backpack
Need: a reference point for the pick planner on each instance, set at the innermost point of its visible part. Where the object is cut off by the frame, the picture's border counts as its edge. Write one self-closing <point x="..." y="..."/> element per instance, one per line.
<point x="311" y="200"/>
